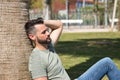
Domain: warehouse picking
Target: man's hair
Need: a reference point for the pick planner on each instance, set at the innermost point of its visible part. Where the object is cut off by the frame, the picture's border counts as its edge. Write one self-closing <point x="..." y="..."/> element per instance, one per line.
<point x="29" y="26"/>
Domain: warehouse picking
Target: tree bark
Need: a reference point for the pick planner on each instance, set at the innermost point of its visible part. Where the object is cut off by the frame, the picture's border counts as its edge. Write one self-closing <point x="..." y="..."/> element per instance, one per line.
<point x="14" y="45"/>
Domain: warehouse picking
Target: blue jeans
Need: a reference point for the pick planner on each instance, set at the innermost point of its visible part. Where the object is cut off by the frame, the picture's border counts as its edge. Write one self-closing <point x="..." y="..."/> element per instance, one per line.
<point x="103" y="67"/>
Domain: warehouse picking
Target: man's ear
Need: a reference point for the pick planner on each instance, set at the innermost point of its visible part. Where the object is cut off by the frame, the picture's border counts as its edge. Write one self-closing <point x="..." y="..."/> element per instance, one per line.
<point x="32" y="36"/>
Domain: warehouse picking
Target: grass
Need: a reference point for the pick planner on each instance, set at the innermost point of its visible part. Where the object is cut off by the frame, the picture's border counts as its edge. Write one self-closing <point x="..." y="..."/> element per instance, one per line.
<point x="79" y="51"/>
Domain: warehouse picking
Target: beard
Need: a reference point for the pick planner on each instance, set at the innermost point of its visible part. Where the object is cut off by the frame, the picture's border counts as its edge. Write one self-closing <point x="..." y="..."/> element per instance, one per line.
<point x="47" y="41"/>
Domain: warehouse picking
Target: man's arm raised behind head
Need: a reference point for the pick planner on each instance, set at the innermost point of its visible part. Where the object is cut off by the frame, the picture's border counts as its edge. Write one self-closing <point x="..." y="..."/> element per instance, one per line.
<point x="56" y="27"/>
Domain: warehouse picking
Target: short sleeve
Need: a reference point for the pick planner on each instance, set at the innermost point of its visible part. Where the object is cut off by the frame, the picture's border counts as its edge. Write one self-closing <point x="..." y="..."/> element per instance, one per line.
<point x="37" y="67"/>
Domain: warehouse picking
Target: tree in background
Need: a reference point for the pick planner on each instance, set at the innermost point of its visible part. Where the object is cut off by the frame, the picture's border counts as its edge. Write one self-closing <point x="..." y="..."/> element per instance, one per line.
<point x="36" y="4"/>
<point x="14" y="45"/>
<point x="44" y="6"/>
<point x="119" y="15"/>
<point x="48" y="9"/>
<point x="95" y="9"/>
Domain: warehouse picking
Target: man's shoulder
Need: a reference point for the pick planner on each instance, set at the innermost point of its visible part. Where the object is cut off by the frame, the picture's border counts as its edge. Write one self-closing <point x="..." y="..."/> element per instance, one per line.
<point x="38" y="55"/>
<point x="42" y="54"/>
<point x="35" y="52"/>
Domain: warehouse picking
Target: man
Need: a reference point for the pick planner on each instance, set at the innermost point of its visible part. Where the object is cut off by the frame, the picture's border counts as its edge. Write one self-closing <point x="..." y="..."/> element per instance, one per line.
<point x="45" y="64"/>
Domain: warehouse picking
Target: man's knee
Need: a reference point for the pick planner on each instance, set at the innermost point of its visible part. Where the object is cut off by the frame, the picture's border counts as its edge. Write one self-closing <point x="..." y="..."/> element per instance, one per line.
<point x="107" y="60"/>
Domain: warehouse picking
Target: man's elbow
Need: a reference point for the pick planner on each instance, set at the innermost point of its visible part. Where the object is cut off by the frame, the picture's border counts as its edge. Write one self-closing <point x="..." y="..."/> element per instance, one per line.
<point x="60" y="24"/>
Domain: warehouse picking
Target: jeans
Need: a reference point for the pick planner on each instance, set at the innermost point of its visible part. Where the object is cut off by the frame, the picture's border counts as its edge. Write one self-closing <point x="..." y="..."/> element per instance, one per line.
<point x="103" y="67"/>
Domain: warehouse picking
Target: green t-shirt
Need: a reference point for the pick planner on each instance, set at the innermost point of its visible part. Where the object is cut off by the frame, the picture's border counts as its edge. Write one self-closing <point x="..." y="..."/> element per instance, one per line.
<point x="46" y="63"/>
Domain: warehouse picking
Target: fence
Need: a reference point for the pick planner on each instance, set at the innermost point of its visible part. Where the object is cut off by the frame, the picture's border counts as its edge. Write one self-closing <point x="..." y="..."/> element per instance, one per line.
<point x="88" y="16"/>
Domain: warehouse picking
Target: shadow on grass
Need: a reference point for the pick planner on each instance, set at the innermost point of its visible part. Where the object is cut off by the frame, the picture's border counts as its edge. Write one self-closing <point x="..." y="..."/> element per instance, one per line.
<point x="95" y="48"/>
<point x="77" y="70"/>
<point x="90" y="47"/>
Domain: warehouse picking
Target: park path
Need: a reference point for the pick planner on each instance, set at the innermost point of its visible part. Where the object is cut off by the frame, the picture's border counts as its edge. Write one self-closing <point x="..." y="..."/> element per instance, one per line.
<point x="72" y="29"/>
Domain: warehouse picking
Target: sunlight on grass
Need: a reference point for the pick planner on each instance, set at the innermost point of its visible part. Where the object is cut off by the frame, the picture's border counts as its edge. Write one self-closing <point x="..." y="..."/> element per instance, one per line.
<point x="105" y="78"/>
<point x="117" y="62"/>
<point x="77" y="36"/>
<point x="69" y="60"/>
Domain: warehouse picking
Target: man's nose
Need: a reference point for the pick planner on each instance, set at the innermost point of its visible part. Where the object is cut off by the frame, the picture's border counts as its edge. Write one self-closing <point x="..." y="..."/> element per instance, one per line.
<point x="48" y="33"/>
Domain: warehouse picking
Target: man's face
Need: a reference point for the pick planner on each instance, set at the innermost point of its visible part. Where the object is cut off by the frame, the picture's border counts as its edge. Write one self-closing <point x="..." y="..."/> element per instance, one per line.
<point x="42" y="34"/>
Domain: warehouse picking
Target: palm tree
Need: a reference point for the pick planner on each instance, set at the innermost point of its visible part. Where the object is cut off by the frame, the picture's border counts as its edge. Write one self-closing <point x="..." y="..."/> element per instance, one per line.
<point x="14" y="45"/>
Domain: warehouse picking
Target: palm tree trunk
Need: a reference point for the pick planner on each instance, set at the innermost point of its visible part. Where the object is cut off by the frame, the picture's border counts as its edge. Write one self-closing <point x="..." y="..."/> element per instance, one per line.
<point x="14" y="45"/>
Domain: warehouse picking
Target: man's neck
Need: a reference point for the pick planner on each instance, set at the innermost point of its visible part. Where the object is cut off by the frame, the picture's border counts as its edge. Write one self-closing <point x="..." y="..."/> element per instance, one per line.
<point x="42" y="46"/>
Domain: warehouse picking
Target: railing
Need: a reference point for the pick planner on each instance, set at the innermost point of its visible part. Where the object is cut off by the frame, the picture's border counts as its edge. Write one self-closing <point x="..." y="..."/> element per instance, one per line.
<point x="72" y="21"/>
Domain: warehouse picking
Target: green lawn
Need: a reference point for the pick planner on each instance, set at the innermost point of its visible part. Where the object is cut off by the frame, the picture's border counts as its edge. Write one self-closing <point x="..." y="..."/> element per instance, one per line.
<point x="78" y="51"/>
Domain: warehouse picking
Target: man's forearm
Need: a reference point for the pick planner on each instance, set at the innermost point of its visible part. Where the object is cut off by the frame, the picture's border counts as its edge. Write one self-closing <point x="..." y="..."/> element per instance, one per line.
<point x="53" y="24"/>
<point x="56" y="27"/>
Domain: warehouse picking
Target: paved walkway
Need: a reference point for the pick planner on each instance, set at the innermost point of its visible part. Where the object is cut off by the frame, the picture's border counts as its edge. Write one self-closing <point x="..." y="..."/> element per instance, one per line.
<point x="76" y="29"/>
<point x="86" y="30"/>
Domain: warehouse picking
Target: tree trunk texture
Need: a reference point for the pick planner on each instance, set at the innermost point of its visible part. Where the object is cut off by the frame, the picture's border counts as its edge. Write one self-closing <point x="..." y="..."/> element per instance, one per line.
<point x="14" y="45"/>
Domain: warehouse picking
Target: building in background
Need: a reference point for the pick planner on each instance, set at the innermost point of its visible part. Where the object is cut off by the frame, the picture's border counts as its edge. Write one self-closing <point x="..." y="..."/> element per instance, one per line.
<point x="60" y="5"/>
